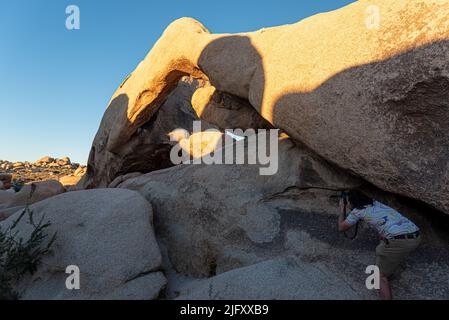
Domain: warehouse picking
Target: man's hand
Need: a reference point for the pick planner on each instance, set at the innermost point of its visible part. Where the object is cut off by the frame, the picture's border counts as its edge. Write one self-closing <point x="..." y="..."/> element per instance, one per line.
<point x="341" y="205"/>
<point x="342" y="224"/>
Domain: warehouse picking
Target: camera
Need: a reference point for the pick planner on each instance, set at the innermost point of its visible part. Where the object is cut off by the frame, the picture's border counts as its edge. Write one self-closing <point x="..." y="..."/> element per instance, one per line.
<point x="344" y="197"/>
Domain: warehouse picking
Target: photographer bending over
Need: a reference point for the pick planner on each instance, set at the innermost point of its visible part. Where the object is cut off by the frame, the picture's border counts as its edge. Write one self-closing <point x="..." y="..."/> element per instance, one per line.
<point x="399" y="236"/>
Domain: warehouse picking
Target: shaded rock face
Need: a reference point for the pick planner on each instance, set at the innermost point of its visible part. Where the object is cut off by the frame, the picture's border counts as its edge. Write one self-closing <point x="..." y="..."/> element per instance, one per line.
<point x="283" y="278"/>
<point x="226" y="111"/>
<point x="221" y="203"/>
<point x="116" y="253"/>
<point x="390" y="133"/>
<point x="377" y="108"/>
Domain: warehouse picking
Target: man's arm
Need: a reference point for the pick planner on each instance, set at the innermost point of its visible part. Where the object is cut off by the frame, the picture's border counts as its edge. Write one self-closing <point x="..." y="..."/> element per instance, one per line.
<point x="343" y="225"/>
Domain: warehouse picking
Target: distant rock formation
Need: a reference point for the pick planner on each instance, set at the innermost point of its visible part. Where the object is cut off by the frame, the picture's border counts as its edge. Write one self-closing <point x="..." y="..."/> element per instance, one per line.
<point x="43" y="169"/>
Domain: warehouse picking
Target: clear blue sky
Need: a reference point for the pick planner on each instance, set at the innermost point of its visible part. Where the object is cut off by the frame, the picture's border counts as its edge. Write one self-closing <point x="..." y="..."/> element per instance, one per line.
<point x="55" y="83"/>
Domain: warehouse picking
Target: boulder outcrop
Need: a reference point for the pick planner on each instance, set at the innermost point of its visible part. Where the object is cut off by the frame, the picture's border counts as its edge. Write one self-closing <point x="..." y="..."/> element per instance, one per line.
<point x="43" y="169"/>
<point x="372" y="99"/>
<point x="107" y="234"/>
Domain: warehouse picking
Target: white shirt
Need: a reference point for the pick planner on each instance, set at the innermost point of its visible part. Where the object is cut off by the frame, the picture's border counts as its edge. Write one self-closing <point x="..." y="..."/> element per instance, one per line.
<point x="387" y="221"/>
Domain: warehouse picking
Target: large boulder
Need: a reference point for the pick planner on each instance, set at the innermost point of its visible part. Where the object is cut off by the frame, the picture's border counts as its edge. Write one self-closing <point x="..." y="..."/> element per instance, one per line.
<point x="108" y="234"/>
<point x="46" y="159"/>
<point x="282" y="278"/>
<point x="366" y="90"/>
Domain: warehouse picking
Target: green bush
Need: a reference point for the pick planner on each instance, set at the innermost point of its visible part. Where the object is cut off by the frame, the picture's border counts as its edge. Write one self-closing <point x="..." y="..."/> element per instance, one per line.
<point x="19" y="256"/>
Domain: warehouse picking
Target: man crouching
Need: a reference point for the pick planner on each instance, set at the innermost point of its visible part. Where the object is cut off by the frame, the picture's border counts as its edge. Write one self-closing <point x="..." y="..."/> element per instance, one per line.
<point x="399" y="236"/>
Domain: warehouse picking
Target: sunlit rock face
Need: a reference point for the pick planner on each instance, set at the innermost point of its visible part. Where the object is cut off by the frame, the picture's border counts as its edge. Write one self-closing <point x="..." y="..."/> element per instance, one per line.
<point x="368" y="96"/>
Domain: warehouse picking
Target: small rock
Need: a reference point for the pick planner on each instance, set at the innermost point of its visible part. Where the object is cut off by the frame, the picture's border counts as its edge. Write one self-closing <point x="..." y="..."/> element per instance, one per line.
<point x="5" y="178"/>
<point x="80" y="171"/>
<point x="46" y="159"/>
<point x="69" y="180"/>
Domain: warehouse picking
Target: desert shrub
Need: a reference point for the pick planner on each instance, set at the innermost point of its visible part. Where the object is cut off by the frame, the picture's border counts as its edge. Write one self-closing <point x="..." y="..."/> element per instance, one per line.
<point x="20" y="256"/>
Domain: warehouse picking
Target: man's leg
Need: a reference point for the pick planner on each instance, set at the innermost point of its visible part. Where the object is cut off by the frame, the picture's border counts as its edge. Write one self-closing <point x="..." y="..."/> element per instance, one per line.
<point x="388" y="257"/>
<point x="383" y="261"/>
<point x="385" y="289"/>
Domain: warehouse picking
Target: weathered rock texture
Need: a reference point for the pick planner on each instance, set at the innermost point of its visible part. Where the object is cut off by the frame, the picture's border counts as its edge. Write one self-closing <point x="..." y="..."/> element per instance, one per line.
<point x="283" y="278"/>
<point x="372" y="99"/>
<point x="108" y="234"/>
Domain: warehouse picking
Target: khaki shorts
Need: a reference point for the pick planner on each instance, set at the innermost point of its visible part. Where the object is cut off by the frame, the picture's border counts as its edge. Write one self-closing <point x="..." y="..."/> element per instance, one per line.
<point x="389" y="256"/>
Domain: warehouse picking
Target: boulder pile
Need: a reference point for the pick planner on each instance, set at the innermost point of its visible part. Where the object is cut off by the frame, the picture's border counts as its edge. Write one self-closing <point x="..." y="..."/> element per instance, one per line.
<point x="43" y="169"/>
<point x="23" y="183"/>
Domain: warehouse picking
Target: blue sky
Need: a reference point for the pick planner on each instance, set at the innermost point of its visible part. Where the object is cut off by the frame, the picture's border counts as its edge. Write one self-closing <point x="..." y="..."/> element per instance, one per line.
<point x="55" y="83"/>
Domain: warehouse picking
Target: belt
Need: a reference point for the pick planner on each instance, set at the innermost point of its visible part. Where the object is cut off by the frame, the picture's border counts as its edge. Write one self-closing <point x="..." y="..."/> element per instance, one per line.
<point x="412" y="235"/>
